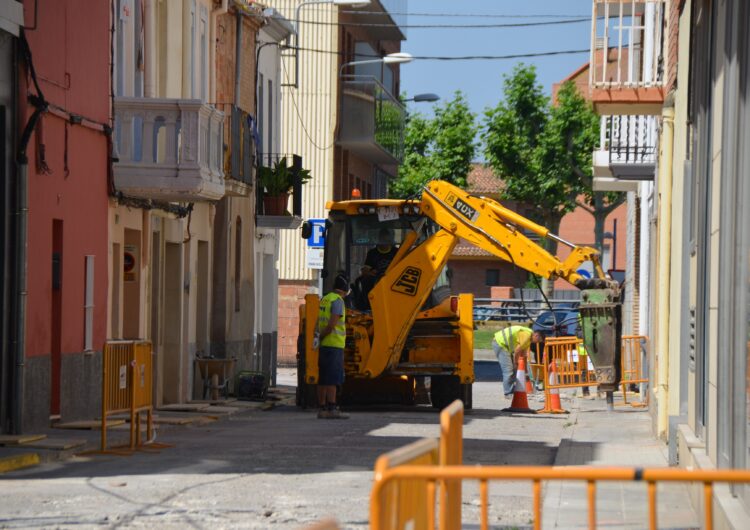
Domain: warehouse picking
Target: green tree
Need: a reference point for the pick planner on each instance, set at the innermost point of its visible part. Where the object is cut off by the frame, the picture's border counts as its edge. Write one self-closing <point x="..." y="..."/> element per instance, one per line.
<point x="543" y="152"/>
<point x="442" y="147"/>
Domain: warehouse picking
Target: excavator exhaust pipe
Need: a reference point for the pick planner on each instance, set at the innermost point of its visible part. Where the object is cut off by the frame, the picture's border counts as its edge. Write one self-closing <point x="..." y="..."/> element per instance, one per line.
<point x="601" y="323"/>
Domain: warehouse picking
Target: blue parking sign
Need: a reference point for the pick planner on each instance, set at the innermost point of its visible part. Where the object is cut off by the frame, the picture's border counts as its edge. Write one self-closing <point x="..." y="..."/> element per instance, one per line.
<point x="317" y="238"/>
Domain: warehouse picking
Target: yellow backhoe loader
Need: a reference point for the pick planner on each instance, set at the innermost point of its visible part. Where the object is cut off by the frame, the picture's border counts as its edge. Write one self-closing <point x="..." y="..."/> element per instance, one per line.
<point x="407" y="326"/>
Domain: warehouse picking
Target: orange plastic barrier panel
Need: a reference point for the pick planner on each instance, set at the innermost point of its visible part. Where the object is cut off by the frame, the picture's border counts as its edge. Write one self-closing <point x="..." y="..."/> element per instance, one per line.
<point x="633" y="373"/>
<point x="407" y="503"/>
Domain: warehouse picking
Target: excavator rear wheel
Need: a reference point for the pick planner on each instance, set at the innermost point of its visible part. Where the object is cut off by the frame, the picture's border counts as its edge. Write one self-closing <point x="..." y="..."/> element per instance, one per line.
<point x="445" y="389"/>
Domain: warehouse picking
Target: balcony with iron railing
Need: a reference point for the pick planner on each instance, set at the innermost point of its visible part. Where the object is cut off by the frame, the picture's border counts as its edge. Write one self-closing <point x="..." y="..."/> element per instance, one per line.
<point x="239" y="139"/>
<point x="168" y="149"/>
<point x="372" y="120"/>
<point x="627" y="152"/>
<point x="626" y="74"/>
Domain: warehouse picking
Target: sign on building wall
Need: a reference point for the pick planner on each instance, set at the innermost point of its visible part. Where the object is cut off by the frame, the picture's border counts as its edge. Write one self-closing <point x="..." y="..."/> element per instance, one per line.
<point x="130" y="264"/>
<point x="315" y="244"/>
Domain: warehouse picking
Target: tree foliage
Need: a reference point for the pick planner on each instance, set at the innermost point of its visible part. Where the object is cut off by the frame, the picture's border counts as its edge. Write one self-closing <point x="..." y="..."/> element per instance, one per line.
<point x="441" y="147"/>
<point x="543" y="152"/>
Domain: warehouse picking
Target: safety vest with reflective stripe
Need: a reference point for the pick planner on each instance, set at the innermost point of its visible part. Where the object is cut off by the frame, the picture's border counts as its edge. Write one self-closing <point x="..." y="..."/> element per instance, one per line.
<point x="508" y="338"/>
<point x="337" y="337"/>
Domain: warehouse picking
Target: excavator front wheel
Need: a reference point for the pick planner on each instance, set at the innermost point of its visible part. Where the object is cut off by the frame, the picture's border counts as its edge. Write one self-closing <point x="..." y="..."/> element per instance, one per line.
<point x="445" y="389"/>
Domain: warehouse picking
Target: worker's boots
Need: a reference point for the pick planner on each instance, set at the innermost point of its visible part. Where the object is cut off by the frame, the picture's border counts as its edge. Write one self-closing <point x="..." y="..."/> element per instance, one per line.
<point x="332" y="414"/>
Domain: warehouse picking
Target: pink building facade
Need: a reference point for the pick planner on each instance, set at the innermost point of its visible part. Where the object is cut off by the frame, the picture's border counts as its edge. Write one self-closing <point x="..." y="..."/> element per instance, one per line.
<point x="66" y="178"/>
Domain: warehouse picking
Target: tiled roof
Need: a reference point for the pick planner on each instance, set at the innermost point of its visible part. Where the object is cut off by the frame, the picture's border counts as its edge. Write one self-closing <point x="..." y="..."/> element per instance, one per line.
<point x="466" y="249"/>
<point x="470" y="251"/>
<point x="481" y="179"/>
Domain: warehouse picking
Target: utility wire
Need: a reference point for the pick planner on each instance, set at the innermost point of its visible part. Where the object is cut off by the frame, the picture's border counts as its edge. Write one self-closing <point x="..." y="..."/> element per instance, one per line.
<point x="446" y="26"/>
<point x="457" y="15"/>
<point x="459" y="57"/>
<point x="299" y="115"/>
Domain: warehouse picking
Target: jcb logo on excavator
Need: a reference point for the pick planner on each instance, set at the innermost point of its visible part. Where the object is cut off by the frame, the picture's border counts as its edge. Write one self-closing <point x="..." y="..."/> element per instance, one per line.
<point x="467" y="211"/>
<point x="408" y="282"/>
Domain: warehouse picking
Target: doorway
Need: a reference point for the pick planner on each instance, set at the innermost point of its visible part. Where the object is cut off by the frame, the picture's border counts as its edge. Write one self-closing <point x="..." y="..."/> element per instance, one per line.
<point x="172" y="331"/>
<point x="56" y="316"/>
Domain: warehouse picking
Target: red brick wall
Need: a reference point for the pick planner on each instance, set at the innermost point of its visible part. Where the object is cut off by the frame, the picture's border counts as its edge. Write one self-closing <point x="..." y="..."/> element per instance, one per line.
<point x="469" y="276"/>
<point x="291" y="296"/>
<point x="225" y="61"/>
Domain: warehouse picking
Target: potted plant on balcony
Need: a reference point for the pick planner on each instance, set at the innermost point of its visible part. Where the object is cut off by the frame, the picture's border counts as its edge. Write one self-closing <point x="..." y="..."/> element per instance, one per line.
<point x="277" y="182"/>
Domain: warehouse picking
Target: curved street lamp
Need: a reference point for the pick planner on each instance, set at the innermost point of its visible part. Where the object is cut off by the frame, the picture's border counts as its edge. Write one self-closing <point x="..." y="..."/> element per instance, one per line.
<point x="428" y="97"/>
<point x="391" y="58"/>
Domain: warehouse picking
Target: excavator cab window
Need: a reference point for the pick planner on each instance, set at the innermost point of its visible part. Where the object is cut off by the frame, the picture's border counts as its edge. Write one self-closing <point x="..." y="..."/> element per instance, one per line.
<point x="350" y="237"/>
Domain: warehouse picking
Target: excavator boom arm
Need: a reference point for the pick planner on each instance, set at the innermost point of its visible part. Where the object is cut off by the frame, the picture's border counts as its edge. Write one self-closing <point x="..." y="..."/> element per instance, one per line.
<point x="488" y="225"/>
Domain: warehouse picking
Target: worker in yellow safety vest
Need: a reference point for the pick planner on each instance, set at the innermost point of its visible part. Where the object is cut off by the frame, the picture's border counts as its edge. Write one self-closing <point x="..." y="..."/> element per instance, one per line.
<point x="510" y="344"/>
<point x="331" y="340"/>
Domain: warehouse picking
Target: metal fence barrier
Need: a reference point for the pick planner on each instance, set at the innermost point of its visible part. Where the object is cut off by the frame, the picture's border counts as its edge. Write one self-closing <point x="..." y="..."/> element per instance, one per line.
<point x="126" y="387"/>
<point x="633" y="352"/>
<point x="566" y="365"/>
<point x="428" y="476"/>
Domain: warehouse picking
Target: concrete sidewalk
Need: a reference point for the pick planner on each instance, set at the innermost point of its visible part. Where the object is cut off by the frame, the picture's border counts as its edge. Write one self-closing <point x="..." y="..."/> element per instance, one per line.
<point x="598" y="437"/>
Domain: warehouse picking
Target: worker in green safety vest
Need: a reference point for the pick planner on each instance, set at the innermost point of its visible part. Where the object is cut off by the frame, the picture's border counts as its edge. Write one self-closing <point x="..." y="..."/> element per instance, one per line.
<point x="510" y="344"/>
<point x="331" y="340"/>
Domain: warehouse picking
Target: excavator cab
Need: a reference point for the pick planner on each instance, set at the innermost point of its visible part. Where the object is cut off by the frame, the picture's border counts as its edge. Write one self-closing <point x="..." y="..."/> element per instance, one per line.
<point x="350" y="237"/>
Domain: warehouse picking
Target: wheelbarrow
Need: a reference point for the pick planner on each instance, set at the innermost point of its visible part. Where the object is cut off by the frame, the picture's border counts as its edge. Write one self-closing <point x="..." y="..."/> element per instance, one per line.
<point x="216" y="375"/>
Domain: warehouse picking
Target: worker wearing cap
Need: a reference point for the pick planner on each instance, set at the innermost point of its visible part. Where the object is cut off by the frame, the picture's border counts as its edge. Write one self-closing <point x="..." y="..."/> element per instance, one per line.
<point x="510" y="344"/>
<point x="379" y="257"/>
<point x="332" y="341"/>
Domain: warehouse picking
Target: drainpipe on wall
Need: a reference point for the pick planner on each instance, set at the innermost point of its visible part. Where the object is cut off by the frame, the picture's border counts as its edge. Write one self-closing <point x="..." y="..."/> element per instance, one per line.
<point x="215" y="13"/>
<point x="149" y="75"/>
<point x="237" y="60"/>
<point x="18" y="341"/>
<point x="663" y="266"/>
<point x="188" y="75"/>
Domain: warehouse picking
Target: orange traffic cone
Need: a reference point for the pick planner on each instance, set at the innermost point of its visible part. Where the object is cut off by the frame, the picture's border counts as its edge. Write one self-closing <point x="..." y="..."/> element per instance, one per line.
<point x="520" y="403"/>
<point x="552" y="403"/>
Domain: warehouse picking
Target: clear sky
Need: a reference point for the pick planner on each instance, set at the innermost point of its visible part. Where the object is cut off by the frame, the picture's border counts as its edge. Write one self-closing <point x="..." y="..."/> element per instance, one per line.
<point x="481" y="80"/>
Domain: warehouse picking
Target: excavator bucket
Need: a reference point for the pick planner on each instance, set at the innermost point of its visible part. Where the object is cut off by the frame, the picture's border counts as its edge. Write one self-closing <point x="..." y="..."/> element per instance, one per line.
<point x="601" y="323"/>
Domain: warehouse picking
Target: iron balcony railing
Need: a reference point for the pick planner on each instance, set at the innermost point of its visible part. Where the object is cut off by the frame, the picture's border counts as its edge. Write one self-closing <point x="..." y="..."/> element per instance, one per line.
<point x="372" y="120"/>
<point x="626" y="44"/>
<point x="631" y="143"/>
<point x="168" y="149"/>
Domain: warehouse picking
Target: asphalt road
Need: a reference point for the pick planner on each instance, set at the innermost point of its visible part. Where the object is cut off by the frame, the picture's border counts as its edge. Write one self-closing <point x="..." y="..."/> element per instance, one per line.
<point x="281" y="468"/>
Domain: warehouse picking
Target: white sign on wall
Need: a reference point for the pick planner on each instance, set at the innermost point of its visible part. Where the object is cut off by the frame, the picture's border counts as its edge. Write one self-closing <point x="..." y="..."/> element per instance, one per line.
<point x="314" y="258"/>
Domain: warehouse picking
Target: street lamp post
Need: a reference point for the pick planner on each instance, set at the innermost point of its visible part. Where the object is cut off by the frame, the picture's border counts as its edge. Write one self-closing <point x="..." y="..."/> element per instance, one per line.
<point x="352" y="3"/>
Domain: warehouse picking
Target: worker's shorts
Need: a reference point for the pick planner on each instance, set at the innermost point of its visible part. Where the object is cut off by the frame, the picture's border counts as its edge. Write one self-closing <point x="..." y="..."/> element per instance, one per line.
<point x="507" y="373"/>
<point x="330" y="366"/>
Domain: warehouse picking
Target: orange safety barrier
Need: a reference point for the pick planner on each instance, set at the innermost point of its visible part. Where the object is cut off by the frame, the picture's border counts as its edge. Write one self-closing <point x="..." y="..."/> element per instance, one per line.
<point x="126" y="387"/>
<point x="451" y="454"/>
<point x="565" y="366"/>
<point x="411" y="503"/>
<point x="428" y="476"/>
<point x="405" y="503"/>
<point x="632" y="369"/>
